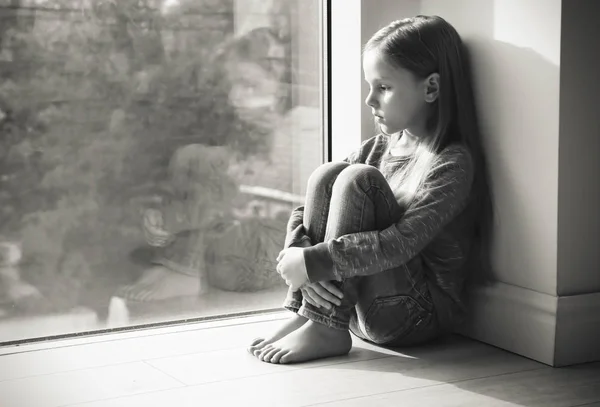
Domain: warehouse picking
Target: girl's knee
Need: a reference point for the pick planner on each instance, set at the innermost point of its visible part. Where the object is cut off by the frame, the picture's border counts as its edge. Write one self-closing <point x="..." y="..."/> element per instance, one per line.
<point x="326" y="173"/>
<point x="356" y="172"/>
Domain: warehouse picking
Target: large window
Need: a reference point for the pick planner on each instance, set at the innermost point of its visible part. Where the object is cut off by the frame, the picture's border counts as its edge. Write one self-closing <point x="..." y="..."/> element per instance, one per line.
<point x="150" y="154"/>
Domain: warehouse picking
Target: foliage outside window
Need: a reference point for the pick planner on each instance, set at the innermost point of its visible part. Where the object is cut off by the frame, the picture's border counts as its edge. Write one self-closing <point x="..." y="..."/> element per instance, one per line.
<point x="150" y="149"/>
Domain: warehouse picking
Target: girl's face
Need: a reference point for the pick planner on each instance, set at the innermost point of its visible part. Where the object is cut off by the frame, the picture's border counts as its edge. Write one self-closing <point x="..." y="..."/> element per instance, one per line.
<point x="396" y="97"/>
<point x="253" y="94"/>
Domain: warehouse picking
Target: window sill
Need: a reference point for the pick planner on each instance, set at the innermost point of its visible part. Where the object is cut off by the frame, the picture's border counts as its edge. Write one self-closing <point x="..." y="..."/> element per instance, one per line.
<point x="247" y="308"/>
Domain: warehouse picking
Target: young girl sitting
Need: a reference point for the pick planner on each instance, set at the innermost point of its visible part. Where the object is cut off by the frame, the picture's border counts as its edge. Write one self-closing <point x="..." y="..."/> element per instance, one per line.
<point x="385" y="239"/>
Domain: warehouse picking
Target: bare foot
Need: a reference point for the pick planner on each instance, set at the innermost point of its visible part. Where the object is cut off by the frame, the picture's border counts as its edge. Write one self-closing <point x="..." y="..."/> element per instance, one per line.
<point x="311" y="341"/>
<point x="160" y="283"/>
<point x="289" y="326"/>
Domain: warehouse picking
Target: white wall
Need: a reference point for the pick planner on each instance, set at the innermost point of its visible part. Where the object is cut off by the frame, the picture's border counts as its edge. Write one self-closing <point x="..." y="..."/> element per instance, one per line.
<point x="579" y="160"/>
<point x="353" y="22"/>
<point x="516" y="56"/>
<point x="377" y="14"/>
<point x="346" y="72"/>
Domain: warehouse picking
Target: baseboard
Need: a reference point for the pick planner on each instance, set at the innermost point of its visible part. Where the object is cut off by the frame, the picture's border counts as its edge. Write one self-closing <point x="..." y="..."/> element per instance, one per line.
<point x="556" y="331"/>
<point x="578" y="330"/>
<point x="512" y="318"/>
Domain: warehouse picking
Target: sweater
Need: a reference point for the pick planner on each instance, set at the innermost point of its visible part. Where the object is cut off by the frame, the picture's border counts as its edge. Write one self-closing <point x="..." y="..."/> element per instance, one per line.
<point x="434" y="235"/>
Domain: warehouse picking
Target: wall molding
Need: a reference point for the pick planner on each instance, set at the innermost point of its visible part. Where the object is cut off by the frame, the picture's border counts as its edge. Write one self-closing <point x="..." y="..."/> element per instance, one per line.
<point x="578" y="333"/>
<point x="557" y="331"/>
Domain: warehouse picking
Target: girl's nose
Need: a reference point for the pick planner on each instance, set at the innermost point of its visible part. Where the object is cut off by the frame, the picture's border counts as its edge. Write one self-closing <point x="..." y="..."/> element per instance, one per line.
<point x="370" y="100"/>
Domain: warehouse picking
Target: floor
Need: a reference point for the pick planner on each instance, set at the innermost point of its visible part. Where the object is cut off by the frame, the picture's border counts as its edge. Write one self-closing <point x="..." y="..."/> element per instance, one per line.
<point x="207" y="365"/>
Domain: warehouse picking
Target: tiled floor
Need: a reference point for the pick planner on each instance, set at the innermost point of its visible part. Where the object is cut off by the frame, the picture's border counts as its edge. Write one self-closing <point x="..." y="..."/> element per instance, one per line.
<point x="207" y="365"/>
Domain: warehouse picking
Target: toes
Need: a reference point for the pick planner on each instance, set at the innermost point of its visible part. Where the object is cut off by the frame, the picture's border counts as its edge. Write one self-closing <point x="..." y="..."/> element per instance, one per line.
<point x="287" y="358"/>
<point x="127" y="292"/>
<point x="258" y="349"/>
<point x="124" y="291"/>
<point x="255" y="345"/>
<point x="256" y="342"/>
<point x="134" y="292"/>
<point x="144" y="296"/>
<point x="277" y="356"/>
<point x="264" y="352"/>
<point x="269" y="355"/>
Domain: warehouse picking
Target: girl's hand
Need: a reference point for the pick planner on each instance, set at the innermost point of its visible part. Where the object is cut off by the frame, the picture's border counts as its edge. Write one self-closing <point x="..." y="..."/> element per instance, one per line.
<point x="292" y="268"/>
<point x="154" y="230"/>
<point x="322" y="294"/>
<point x="153" y="219"/>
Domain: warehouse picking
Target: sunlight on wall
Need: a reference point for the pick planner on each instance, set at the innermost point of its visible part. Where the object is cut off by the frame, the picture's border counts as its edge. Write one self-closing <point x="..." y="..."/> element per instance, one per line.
<point x="515" y="47"/>
<point x="346" y="73"/>
<point x="541" y="36"/>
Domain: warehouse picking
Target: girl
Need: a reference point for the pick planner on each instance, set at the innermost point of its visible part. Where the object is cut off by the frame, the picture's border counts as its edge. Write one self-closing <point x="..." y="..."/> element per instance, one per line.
<point x="382" y="246"/>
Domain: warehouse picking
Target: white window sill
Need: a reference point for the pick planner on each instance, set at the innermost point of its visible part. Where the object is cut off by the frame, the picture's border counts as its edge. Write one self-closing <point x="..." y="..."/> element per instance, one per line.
<point x="228" y="320"/>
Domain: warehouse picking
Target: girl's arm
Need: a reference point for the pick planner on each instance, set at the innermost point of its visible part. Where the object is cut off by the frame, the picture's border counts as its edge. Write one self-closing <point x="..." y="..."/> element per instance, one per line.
<point x="366" y="253"/>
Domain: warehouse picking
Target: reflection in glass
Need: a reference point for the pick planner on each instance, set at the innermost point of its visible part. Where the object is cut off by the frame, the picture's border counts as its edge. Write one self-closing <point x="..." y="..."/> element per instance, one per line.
<point x="150" y="155"/>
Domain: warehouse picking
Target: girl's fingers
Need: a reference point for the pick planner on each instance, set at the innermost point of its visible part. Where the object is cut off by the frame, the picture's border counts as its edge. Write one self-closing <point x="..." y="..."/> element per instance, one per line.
<point x="153" y="218"/>
<point x="310" y="299"/>
<point x="160" y="239"/>
<point x="306" y="296"/>
<point x="326" y="295"/>
<point x="157" y="243"/>
<point x="147" y="225"/>
<point x="332" y="289"/>
<point x="323" y="302"/>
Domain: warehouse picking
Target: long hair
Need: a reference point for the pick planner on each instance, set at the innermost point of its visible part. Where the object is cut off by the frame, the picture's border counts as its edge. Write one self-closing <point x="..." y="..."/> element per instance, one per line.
<point x="425" y="45"/>
<point x="260" y="47"/>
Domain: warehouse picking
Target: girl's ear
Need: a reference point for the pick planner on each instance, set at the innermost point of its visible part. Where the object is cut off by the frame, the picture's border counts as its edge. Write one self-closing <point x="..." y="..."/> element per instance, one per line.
<point x="432" y="87"/>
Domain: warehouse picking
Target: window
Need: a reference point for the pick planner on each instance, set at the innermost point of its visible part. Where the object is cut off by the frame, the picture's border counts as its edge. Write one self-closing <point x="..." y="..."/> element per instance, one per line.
<point x="150" y="154"/>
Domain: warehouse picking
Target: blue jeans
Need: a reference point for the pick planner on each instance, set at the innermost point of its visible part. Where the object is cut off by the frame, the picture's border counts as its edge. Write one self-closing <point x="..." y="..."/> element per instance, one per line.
<point x="393" y="307"/>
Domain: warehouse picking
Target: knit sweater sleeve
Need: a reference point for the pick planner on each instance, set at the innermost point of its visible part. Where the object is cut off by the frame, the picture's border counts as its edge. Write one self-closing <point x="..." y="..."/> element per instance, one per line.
<point x="367" y="253"/>
<point x="295" y="232"/>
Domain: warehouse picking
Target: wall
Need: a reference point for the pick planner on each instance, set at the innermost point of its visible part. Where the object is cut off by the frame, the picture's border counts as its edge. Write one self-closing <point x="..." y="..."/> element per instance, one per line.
<point x="578" y="318"/>
<point x="377" y="14"/>
<point x="515" y="58"/>
<point x="346" y="72"/>
<point x="579" y="189"/>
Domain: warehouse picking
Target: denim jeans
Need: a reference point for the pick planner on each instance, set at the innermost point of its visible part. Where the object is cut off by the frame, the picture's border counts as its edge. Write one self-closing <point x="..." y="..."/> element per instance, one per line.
<point x="393" y="307"/>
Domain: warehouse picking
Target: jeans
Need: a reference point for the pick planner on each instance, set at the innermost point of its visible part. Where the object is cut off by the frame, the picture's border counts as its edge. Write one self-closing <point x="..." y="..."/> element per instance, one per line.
<point x="393" y="307"/>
